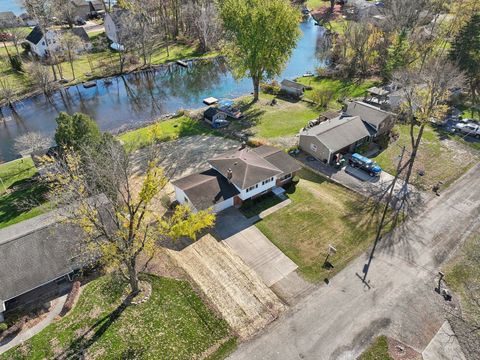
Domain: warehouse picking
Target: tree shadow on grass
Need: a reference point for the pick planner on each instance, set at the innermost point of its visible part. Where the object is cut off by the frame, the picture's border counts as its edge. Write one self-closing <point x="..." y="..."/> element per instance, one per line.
<point x="80" y="345"/>
<point x="26" y="195"/>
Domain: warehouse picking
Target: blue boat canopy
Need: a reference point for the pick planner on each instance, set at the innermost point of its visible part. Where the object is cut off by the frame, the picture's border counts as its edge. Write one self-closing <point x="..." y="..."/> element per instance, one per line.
<point x="226" y="103"/>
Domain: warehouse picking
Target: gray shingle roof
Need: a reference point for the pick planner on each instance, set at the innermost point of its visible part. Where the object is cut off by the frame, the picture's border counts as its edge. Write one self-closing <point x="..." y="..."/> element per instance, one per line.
<point x="368" y="113"/>
<point x="278" y="158"/>
<point x="339" y="133"/>
<point x="248" y="168"/>
<point x="35" y="252"/>
<point x="292" y="84"/>
<point x="206" y="189"/>
<point x="35" y="35"/>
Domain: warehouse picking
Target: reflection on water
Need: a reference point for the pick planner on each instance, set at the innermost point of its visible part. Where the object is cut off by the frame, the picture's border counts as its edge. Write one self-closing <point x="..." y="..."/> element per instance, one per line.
<point x="132" y="99"/>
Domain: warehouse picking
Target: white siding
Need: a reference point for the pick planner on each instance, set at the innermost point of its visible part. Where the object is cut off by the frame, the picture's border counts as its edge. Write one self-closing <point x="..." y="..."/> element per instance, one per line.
<point x="244" y="194"/>
<point x="223" y="205"/>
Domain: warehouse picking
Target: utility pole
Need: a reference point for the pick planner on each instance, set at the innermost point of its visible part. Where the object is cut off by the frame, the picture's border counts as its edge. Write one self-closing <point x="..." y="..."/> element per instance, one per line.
<point x="384" y="215"/>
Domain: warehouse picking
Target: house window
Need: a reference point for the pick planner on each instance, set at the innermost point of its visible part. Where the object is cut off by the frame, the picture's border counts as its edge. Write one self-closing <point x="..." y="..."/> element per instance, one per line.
<point x="313" y="147"/>
<point x="267" y="181"/>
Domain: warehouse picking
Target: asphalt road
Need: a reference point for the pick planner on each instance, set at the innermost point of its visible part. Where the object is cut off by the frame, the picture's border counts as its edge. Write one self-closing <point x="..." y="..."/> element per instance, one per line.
<point x="337" y="321"/>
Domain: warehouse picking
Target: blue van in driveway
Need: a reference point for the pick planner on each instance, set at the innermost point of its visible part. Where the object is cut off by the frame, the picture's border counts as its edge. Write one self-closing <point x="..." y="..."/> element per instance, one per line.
<point x="366" y="164"/>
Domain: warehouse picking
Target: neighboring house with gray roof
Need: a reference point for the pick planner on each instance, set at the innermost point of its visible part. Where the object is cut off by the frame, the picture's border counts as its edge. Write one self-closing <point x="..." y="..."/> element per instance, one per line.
<point x="35" y="253"/>
<point x="338" y="135"/>
<point x="114" y="23"/>
<point x="380" y="120"/>
<point x="9" y="19"/>
<point x="236" y="176"/>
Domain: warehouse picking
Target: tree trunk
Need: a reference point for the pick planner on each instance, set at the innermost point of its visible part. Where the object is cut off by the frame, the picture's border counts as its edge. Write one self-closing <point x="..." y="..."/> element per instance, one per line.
<point x="413" y="155"/>
<point x="8" y="52"/>
<point x="133" y="277"/>
<point x="256" y="87"/>
<point x="73" y="69"/>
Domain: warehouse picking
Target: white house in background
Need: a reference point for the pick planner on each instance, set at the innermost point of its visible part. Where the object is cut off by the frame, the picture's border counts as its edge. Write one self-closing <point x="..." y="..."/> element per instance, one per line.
<point x="236" y="176"/>
<point x="41" y="44"/>
<point x="113" y="24"/>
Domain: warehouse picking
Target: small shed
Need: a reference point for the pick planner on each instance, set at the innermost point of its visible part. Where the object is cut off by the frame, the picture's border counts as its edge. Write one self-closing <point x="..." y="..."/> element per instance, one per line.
<point x="292" y="88"/>
<point x="377" y="95"/>
<point x="212" y="114"/>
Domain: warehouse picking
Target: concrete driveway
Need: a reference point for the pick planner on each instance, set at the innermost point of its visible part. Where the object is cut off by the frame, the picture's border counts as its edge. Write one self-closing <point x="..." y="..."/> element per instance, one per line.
<point x="358" y="180"/>
<point x="253" y="247"/>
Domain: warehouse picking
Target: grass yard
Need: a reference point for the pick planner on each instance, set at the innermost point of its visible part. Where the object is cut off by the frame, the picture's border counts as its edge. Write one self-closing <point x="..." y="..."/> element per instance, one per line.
<point x="166" y="130"/>
<point x="377" y="351"/>
<point x="173" y="324"/>
<point x="20" y="197"/>
<point x="341" y="89"/>
<point x="251" y="208"/>
<point x="439" y="161"/>
<point x="286" y="118"/>
<point x="462" y="275"/>
<point x="321" y="213"/>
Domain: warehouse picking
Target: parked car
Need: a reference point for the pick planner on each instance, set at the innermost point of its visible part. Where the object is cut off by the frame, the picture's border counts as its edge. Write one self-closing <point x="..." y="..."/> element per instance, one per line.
<point x="468" y="129"/>
<point x="365" y="164"/>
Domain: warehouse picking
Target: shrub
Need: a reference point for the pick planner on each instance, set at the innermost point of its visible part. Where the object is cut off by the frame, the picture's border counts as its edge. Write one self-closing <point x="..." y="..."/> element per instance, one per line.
<point x="256" y="142"/>
<point x="272" y="88"/>
<point x="15" y="328"/>
<point x="72" y="295"/>
<point x="322" y="97"/>
<point x="3" y="327"/>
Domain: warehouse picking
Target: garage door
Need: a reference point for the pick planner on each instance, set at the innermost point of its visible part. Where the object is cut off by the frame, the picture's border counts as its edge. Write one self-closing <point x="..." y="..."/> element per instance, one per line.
<point x="223" y="205"/>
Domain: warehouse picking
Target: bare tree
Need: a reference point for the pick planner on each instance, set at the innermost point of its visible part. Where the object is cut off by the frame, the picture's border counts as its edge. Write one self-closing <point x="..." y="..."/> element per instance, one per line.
<point x="7" y="93"/>
<point x="65" y="10"/>
<point x="41" y="77"/>
<point x="31" y="141"/>
<point x="425" y="90"/>
<point x="204" y="22"/>
<point x="72" y="45"/>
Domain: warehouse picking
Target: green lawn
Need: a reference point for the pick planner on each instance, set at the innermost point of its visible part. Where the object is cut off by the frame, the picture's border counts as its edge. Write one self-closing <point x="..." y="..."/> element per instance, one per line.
<point x="167" y="130"/>
<point x="462" y="275"/>
<point x="321" y="213"/>
<point x="342" y="89"/>
<point x="377" y="351"/>
<point x="24" y="197"/>
<point x="283" y="119"/>
<point x="439" y="162"/>
<point x="173" y="324"/>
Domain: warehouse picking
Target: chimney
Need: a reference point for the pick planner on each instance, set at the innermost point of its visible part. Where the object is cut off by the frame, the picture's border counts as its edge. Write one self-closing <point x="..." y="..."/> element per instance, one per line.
<point x="243" y="145"/>
<point x="229" y="175"/>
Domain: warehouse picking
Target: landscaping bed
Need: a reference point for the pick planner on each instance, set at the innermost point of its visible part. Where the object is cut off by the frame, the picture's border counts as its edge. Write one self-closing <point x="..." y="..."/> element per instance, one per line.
<point x="172" y="324"/>
<point x="321" y="214"/>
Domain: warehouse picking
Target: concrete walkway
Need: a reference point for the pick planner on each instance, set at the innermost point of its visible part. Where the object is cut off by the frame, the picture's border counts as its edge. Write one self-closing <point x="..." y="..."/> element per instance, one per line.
<point x="26" y="334"/>
<point x="253" y="247"/>
<point x="444" y="346"/>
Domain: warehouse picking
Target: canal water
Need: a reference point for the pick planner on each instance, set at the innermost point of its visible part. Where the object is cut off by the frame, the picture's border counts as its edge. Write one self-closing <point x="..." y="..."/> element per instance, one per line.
<point x="133" y="99"/>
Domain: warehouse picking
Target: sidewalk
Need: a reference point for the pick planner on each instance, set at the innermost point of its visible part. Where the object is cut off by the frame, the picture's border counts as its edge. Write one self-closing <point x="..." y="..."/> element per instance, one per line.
<point x="26" y="334"/>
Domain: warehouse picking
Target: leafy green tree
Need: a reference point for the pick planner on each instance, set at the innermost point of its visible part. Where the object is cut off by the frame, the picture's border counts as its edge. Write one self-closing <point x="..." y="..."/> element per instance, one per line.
<point x="261" y="37"/>
<point x="77" y="130"/>
<point x="466" y="52"/>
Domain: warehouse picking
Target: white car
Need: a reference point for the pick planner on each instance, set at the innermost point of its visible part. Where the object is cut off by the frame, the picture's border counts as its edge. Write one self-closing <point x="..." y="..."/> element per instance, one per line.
<point x="468" y="129"/>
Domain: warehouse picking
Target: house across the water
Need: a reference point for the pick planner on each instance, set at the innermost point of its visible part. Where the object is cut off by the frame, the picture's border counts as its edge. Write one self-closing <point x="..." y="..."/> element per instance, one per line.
<point x="236" y="176"/>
